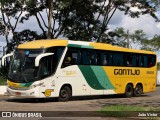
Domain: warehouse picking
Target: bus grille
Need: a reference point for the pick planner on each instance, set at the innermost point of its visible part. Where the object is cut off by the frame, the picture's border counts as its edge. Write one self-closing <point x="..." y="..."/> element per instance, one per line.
<point x="16" y="88"/>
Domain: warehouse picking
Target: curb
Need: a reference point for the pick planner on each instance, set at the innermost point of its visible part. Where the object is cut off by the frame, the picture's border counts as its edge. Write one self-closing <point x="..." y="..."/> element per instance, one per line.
<point x="3" y="90"/>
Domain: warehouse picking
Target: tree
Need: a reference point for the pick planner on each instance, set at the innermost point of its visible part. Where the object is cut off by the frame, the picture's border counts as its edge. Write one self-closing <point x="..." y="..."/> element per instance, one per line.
<point x="75" y="19"/>
<point x="120" y="36"/>
<point x="152" y="44"/>
<point x="156" y="3"/>
<point x="139" y="38"/>
<point x="136" y="38"/>
<point x="86" y="19"/>
<point x="11" y="12"/>
<point x="127" y="39"/>
<point x="25" y="36"/>
<point x="11" y="17"/>
<point x="103" y="11"/>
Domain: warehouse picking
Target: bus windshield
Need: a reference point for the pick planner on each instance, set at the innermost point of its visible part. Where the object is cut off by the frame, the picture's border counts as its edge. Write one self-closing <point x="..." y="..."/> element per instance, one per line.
<point x="22" y="67"/>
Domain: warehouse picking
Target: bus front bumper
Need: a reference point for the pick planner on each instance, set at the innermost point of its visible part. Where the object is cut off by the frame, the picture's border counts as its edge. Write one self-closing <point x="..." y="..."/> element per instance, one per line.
<point x="32" y="93"/>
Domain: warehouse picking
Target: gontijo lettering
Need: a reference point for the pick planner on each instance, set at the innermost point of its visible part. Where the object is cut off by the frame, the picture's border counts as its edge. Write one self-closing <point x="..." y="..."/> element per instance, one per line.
<point x="126" y="72"/>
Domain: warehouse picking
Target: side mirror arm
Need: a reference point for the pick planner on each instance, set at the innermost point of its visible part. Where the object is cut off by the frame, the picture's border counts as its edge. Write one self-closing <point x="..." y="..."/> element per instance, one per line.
<point x="4" y="57"/>
<point x="39" y="57"/>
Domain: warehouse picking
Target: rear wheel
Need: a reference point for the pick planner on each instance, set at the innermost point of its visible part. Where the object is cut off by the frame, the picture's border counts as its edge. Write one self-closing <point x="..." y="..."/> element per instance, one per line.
<point x="65" y="94"/>
<point x="138" y="90"/>
<point x="129" y="91"/>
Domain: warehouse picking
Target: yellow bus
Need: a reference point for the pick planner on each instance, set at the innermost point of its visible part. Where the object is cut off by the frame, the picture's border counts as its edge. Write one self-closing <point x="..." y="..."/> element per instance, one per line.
<point x="65" y="68"/>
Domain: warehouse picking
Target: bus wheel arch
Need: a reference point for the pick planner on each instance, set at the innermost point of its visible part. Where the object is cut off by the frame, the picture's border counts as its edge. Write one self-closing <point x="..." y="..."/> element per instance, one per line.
<point x="65" y="93"/>
<point x="138" y="90"/>
<point x="129" y="90"/>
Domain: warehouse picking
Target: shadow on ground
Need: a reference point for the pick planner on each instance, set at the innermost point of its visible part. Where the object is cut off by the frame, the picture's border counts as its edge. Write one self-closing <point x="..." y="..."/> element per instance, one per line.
<point x="79" y="98"/>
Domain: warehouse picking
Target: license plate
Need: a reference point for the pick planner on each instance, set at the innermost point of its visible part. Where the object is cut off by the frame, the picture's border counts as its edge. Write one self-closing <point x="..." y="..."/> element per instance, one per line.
<point x="17" y="93"/>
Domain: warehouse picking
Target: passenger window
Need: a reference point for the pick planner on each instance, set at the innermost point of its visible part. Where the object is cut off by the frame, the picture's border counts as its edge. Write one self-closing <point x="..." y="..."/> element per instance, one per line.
<point x="46" y="66"/>
<point x="141" y="61"/>
<point x="72" y="57"/>
<point x="105" y="59"/>
<point x="108" y="58"/>
<point x="115" y="59"/>
<point x="129" y="60"/>
<point x="146" y="62"/>
<point x="134" y="60"/>
<point x="121" y="59"/>
<point x="151" y="60"/>
<point x="90" y="58"/>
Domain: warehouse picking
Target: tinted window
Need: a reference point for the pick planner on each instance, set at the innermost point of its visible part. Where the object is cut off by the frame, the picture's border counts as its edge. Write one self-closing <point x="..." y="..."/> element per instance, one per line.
<point x="82" y="56"/>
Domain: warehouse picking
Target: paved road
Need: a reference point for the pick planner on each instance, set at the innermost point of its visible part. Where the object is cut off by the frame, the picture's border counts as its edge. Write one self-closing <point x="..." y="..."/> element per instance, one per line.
<point x="79" y="103"/>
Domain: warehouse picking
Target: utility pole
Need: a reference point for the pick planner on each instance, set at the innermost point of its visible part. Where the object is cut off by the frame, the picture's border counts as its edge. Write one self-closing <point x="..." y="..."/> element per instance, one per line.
<point x="127" y="38"/>
<point x="3" y="50"/>
<point x="50" y="3"/>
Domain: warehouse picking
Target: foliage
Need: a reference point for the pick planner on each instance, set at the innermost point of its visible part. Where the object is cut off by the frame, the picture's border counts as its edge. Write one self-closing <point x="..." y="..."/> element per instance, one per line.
<point x="11" y="10"/>
<point x="75" y="19"/>
<point x="158" y="66"/>
<point x="85" y="19"/>
<point x="25" y="36"/>
<point x="125" y="38"/>
<point x="123" y="108"/>
<point x="3" y="75"/>
<point x="155" y="42"/>
<point x="95" y="28"/>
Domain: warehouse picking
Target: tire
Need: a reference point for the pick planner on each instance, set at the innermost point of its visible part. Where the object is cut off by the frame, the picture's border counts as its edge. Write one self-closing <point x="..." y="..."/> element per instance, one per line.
<point x="65" y="94"/>
<point x="128" y="91"/>
<point x="138" y="91"/>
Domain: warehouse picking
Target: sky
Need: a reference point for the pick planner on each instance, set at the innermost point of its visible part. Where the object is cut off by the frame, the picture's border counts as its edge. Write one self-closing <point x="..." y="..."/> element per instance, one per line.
<point x="145" y="23"/>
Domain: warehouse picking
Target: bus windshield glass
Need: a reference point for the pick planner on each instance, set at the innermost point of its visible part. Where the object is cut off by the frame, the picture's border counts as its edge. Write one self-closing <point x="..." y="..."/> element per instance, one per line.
<point x="22" y="67"/>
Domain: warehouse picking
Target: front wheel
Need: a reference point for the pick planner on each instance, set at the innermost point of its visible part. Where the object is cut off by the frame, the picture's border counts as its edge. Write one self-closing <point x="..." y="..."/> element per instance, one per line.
<point x="65" y="94"/>
<point x="138" y="91"/>
<point x="129" y="91"/>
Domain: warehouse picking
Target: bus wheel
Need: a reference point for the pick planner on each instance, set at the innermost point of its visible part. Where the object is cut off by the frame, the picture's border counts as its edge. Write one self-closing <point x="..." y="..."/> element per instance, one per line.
<point x="129" y="91"/>
<point x="65" y="94"/>
<point x="138" y="90"/>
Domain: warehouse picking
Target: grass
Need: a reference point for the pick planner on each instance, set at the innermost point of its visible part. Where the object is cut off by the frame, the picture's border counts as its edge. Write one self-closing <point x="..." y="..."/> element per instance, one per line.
<point x="125" y="110"/>
<point x="122" y="108"/>
<point x="2" y="80"/>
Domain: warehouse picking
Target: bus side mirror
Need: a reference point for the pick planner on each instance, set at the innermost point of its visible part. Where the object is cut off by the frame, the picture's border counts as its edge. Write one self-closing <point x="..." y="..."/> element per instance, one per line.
<point x="39" y="57"/>
<point x="4" y="57"/>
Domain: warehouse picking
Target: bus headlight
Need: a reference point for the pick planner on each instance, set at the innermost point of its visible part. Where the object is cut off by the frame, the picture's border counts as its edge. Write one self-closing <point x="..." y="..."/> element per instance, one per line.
<point x="36" y="85"/>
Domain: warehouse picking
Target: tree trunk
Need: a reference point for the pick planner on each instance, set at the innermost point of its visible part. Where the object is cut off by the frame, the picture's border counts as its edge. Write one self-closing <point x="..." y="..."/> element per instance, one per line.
<point x="50" y="18"/>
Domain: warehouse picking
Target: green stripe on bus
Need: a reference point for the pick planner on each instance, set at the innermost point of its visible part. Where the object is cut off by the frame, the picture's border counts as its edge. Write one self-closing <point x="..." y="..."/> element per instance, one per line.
<point x="80" y="46"/>
<point x="90" y="77"/>
<point x="73" y="45"/>
<point x="25" y="84"/>
<point x="102" y="77"/>
<point x="96" y="77"/>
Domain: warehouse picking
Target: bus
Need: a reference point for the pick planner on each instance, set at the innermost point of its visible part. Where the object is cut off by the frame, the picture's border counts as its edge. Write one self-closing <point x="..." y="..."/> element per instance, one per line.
<point x="66" y="68"/>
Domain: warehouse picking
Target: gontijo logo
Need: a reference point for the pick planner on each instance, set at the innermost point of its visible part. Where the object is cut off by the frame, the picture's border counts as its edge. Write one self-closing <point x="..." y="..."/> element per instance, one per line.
<point x="126" y="72"/>
<point x="47" y="92"/>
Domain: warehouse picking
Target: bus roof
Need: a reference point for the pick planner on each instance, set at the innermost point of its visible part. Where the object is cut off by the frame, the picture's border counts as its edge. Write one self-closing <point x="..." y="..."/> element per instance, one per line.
<point x="37" y="44"/>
